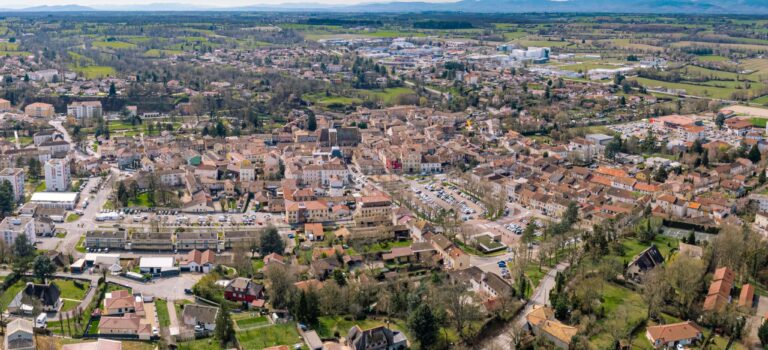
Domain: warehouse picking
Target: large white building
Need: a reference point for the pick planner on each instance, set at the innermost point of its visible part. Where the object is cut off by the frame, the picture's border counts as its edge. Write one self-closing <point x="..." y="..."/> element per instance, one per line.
<point x="13" y="226"/>
<point x="16" y="177"/>
<point x="46" y="75"/>
<point x="85" y="109"/>
<point x="66" y="200"/>
<point x="57" y="175"/>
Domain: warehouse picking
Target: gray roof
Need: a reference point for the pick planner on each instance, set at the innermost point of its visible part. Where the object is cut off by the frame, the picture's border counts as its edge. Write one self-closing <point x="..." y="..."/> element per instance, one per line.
<point x="194" y="314"/>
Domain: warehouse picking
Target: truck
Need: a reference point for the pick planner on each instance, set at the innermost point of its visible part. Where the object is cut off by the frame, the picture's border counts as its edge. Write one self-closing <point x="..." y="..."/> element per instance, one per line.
<point x="107" y="216"/>
<point x="41" y="321"/>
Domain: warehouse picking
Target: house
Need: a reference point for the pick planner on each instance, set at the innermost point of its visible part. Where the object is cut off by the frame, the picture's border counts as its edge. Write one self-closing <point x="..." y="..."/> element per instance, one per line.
<point x="197" y="261"/>
<point x="647" y="260"/>
<point x="670" y="335"/>
<point x="541" y="321"/>
<point x="48" y="295"/>
<point x="719" y="293"/>
<point x="747" y="296"/>
<point x="128" y="324"/>
<point x="377" y="338"/>
<point x="122" y="302"/>
<point x="243" y="290"/>
<point x="200" y="315"/>
<point x="101" y="344"/>
<point x="19" y="335"/>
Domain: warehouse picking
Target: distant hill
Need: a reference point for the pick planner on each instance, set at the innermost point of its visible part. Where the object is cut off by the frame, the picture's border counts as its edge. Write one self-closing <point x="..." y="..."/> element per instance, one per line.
<point x="55" y="8"/>
<point x="752" y="7"/>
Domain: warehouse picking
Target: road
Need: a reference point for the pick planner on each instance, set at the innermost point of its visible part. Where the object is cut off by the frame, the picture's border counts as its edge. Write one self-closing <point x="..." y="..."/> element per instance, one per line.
<point x="540" y="297"/>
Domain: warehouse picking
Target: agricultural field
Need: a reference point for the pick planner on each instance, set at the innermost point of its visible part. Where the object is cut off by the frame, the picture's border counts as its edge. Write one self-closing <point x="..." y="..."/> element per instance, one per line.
<point x="95" y="72"/>
<point x="116" y="45"/>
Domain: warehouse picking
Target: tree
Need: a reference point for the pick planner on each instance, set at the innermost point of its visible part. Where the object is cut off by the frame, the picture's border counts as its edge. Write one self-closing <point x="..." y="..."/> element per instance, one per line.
<point x="221" y="130"/>
<point x="338" y="276"/>
<point x="7" y="202"/>
<point x="655" y="289"/>
<point x="112" y="90"/>
<point x="122" y="194"/>
<point x="33" y="168"/>
<point x="24" y="252"/>
<point x="280" y="286"/>
<point x="762" y="333"/>
<point x="311" y="122"/>
<point x="684" y="274"/>
<point x="423" y="325"/>
<point x="271" y="242"/>
<point x="720" y="120"/>
<point x="459" y="305"/>
<point x="761" y="177"/>
<point x="754" y="154"/>
<point x="661" y="174"/>
<point x="43" y="267"/>
<point x="308" y="307"/>
<point x="224" y="328"/>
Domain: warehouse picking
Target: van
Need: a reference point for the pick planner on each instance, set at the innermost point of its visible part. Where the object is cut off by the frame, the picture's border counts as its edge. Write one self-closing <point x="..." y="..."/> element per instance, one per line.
<point x="41" y="321"/>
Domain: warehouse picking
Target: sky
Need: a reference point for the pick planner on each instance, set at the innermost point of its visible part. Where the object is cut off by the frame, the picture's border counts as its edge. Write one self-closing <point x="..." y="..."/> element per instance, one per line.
<point x="206" y="3"/>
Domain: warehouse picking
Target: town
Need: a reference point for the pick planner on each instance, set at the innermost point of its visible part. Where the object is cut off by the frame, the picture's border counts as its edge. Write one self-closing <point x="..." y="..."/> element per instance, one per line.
<point x="322" y="181"/>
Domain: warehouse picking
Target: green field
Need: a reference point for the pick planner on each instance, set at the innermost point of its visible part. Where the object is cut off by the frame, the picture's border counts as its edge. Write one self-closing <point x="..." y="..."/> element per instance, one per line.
<point x="586" y="66"/>
<point x="116" y="45"/>
<point x="95" y="72"/>
<point x="697" y="90"/>
<point x="711" y="58"/>
<point x="259" y="338"/>
<point x="615" y="297"/>
<point x="156" y="53"/>
<point x="329" y="325"/>
<point x="200" y="344"/>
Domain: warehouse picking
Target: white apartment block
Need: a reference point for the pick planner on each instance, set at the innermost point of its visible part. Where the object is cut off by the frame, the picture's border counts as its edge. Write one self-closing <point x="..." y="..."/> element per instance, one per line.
<point x="85" y="109"/>
<point x="13" y="226"/>
<point x="57" y="175"/>
<point x="16" y="177"/>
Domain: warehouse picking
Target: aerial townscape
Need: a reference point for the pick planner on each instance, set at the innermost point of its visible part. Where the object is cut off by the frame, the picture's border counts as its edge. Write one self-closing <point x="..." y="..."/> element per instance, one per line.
<point x="477" y="174"/>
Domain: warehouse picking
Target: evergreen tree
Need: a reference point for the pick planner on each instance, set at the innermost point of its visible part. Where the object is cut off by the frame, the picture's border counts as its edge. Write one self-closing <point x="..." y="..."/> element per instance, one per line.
<point x="761" y="177"/>
<point x="271" y="242"/>
<point x="762" y="333"/>
<point x="112" y="90"/>
<point x="224" y="328"/>
<point x="754" y="154"/>
<point x="311" y="122"/>
<point x="7" y="202"/>
<point x="423" y="325"/>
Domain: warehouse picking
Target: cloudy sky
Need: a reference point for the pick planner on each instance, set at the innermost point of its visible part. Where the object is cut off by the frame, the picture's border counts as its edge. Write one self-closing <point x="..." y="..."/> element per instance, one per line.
<point x="206" y="3"/>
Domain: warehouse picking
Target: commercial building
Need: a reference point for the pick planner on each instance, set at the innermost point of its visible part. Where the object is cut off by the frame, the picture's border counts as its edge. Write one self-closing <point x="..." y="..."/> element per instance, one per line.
<point x="16" y="177"/>
<point x="66" y="200"/>
<point x="57" y="175"/>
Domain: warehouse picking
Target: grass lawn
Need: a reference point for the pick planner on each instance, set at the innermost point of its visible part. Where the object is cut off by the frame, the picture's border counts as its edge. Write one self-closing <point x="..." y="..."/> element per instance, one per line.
<point x="95" y="72"/>
<point x="10" y="293"/>
<point x="72" y="217"/>
<point x="385" y="246"/>
<point x="259" y="338"/>
<point x="534" y="274"/>
<point x="69" y="304"/>
<point x="258" y="264"/>
<point x="584" y="67"/>
<point x="251" y="322"/>
<point x="80" y="247"/>
<point x="706" y="89"/>
<point x="615" y="297"/>
<point x="329" y="325"/>
<point x="40" y="186"/>
<point x="162" y="312"/>
<point x="633" y="247"/>
<point x="200" y="344"/>
<point x="142" y="200"/>
<point x="71" y="289"/>
<point x="389" y="95"/>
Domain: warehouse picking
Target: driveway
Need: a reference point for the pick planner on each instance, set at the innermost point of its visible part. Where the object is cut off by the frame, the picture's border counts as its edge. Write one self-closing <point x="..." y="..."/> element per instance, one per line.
<point x="755" y="321"/>
<point x="540" y="297"/>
